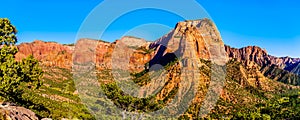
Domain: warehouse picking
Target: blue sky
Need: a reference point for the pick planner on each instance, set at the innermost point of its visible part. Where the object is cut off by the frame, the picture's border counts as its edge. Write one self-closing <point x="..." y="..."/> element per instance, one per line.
<point x="270" y="24"/>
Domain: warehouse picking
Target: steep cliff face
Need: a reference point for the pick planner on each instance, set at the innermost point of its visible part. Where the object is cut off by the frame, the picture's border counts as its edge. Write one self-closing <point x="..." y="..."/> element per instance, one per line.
<point x="261" y="57"/>
<point x="85" y="50"/>
<point x="201" y="35"/>
<point x="285" y="69"/>
<point x="250" y="53"/>
<point x="101" y="53"/>
<point x="192" y="43"/>
<point x="49" y="53"/>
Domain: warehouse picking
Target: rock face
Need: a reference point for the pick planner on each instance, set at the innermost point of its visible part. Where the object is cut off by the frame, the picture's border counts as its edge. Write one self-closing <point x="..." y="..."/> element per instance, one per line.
<point x="203" y="37"/>
<point x="101" y="53"/>
<point x="250" y="53"/>
<point x="12" y="112"/>
<point x="261" y="57"/>
<point x="284" y="69"/>
<point x="49" y="53"/>
<point x="85" y="50"/>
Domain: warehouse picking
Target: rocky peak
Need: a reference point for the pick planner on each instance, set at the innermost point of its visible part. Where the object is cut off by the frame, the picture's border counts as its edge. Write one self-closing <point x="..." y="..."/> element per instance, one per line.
<point x="199" y="36"/>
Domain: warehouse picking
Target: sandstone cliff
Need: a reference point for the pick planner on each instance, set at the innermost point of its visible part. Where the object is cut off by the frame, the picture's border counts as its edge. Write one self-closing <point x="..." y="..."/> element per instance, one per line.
<point x="202" y="36"/>
<point x="284" y="69"/>
<point x="261" y="57"/>
<point x="100" y="53"/>
<point x="49" y="53"/>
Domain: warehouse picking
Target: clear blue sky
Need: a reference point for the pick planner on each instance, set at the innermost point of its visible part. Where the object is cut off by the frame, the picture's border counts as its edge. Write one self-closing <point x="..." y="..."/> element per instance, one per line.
<point x="270" y="24"/>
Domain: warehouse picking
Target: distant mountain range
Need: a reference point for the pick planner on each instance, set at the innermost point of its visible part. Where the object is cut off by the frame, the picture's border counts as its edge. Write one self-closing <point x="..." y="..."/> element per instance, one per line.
<point x="60" y="55"/>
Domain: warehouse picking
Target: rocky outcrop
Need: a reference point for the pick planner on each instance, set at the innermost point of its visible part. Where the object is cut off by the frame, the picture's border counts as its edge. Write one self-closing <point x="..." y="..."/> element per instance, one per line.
<point x="10" y="111"/>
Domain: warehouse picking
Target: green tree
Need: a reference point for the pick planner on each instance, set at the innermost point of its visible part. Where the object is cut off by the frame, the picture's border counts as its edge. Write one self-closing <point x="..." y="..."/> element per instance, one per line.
<point x="15" y="73"/>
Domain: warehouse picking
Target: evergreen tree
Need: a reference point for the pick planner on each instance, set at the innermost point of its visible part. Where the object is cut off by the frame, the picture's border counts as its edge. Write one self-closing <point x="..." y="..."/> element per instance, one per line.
<point x="14" y="73"/>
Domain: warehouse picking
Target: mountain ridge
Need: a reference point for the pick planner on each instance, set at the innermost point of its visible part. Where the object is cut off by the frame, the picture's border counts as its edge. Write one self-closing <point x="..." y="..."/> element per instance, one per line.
<point x="38" y="47"/>
<point x="55" y="54"/>
<point x="261" y="57"/>
<point x="251" y="76"/>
